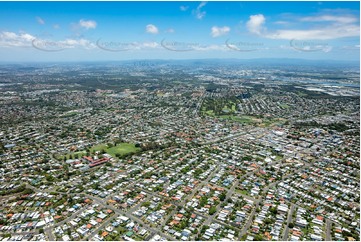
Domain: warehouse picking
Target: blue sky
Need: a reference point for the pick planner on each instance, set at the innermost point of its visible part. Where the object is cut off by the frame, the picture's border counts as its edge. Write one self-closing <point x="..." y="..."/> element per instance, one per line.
<point x="76" y="31"/>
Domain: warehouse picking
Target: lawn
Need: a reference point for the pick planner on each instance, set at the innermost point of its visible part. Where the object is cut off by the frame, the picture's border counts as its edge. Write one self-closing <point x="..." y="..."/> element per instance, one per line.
<point x="209" y="112"/>
<point x="239" y="119"/>
<point x="244" y="192"/>
<point x="232" y="108"/>
<point x="285" y="106"/>
<point x="272" y="122"/>
<point x="122" y="149"/>
<point x="69" y="114"/>
<point x="72" y="155"/>
<point x="98" y="148"/>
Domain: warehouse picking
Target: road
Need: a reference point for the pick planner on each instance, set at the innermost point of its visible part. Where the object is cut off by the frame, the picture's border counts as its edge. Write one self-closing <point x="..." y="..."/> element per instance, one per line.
<point x="328" y="229"/>
<point x="74" y="215"/>
<point x="49" y="234"/>
<point x="129" y="215"/>
<point x="289" y="220"/>
<point x="208" y="218"/>
<point x="103" y="225"/>
<point x="190" y="196"/>
<point x="250" y="219"/>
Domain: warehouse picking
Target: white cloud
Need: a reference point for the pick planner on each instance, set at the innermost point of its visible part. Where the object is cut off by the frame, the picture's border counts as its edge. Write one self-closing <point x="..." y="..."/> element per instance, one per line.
<point x="211" y="48"/>
<point x="170" y="30"/>
<point x="328" y="32"/>
<point x="198" y="11"/>
<point x="73" y="43"/>
<point x="40" y="20"/>
<point x="87" y="24"/>
<point x="11" y="39"/>
<point x="330" y="18"/>
<point x="340" y="27"/>
<point x="255" y="23"/>
<point x="281" y="22"/>
<point x="145" y="45"/>
<point x="56" y="26"/>
<point x="152" y="29"/>
<point x="58" y="45"/>
<point x="219" y="31"/>
<point x="183" y="8"/>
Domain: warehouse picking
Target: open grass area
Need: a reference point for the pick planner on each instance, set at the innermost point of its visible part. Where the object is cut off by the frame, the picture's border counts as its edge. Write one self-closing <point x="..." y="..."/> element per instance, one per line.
<point x="73" y="155"/>
<point x="99" y="147"/>
<point x="209" y="112"/>
<point x="284" y="106"/>
<point x="240" y="119"/>
<point x="69" y="114"/>
<point x="272" y="122"/>
<point x="122" y="149"/>
<point x="244" y="192"/>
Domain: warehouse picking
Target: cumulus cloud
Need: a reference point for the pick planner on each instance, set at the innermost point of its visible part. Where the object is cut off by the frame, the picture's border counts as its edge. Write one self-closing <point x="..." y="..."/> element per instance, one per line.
<point x="87" y="24"/>
<point x="255" y="23"/>
<point x="11" y="39"/>
<point x="219" y="31"/>
<point x="152" y="29"/>
<point x="198" y="11"/>
<point x="74" y="43"/>
<point x="40" y="20"/>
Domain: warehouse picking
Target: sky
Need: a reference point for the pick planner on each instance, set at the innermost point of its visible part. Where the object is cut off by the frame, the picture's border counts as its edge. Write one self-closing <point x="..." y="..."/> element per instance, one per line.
<point x="102" y="31"/>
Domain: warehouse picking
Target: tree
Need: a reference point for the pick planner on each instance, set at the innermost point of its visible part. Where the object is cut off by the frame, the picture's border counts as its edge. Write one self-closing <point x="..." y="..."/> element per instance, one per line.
<point x="212" y="210"/>
<point x="204" y="228"/>
<point x="267" y="221"/>
<point x="203" y="201"/>
<point x="258" y="237"/>
<point x="222" y="196"/>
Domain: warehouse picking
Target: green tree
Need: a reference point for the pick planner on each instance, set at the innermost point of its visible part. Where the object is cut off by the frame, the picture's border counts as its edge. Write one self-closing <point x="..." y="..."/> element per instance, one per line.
<point x="212" y="210"/>
<point x="222" y="196"/>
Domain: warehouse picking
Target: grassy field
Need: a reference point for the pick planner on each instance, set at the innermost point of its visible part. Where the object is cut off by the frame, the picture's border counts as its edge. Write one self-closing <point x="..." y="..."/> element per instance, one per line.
<point x="244" y="192"/>
<point x="210" y="112"/>
<point x="72" y="155"/>
<point x="284" y="106"/>
<point x="272" y="122"/>
<point x="122" y="149"/>
<point x="240" y="119"/>
<point x="69" y="114"/>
